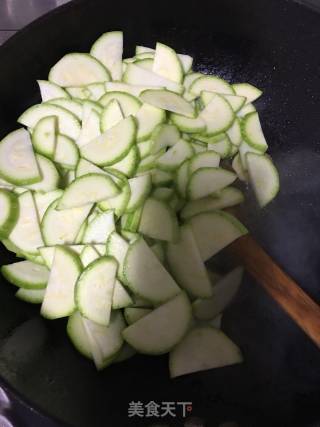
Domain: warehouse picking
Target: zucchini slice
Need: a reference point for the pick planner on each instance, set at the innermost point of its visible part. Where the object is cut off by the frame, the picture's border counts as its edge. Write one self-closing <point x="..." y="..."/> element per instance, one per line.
<point x="78" y="69"/>
<point x="162" y="329"/>
<point x="87" y="189"/>
<point x="203" y="348"/>
<point x="18" y="164"/>
<point x="145" y="275"/>
<point x="59" y="297"/>
<point x="191" y="275"/>
<point x="108" y="50"/>
<point x="264" y="177"/>
<point x="94" y="290"/>
<point x="214" y="230"/>
<point x="113" y="145"/>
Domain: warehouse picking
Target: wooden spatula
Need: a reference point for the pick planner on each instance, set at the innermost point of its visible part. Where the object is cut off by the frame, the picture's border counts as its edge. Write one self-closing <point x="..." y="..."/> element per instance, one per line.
<point x="302" y="309"/>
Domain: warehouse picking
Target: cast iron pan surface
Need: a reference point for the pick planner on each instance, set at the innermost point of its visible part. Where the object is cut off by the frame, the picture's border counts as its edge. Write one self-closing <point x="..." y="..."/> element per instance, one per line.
<point x="275" y="45"/>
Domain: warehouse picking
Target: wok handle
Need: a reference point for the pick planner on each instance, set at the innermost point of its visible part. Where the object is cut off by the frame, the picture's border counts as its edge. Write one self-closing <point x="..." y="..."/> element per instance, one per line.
<point x="300" y="307"/>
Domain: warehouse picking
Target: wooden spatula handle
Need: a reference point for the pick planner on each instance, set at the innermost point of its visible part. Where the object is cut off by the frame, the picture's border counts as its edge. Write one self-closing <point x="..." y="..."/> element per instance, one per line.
<point x="303" y="310"/>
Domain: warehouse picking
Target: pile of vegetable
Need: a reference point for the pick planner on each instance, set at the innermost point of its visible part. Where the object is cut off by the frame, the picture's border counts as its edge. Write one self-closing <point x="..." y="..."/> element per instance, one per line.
<point x="114" y="192"/>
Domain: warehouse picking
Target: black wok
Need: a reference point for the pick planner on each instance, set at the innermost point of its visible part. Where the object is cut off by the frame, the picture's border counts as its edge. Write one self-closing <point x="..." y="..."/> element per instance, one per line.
<point x="275" y="45"/>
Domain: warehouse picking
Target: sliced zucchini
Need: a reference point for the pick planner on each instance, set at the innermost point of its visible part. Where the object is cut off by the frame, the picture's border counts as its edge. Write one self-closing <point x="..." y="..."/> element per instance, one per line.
<point x="210" y="84"/>
<point x="75" y="107"/>
<point x="140" y="188"/>
<point x="59" y="297"/>
<point x="252" y="132"/>
<point x="44" y="136"/>
<point x="168" y="100"/>
<point x="186" y="62"/>
<point x="9" y="212"/>
<point x="207" y="180"/>
<point x="68" y="123"/>
<point x="164" y="135"/>
<point x="18" y="164"/>
<point x="90" y="188"/>
<point x="217" y="115"/>
<point x="187" y="124"/>
<point x="66" y="153"/>
<point x="133" y="314"/>
<point x="159" y="221"/>
<point x="160" y="177"/>
<point x="99" y="229"/>
<point x="146" y="63"/>
<point x="176" y="155"/>
<point x="190" y="78"/>
<point x="158" y="250"/>
<point x="148" y="118"/>
<point x="149" y="162"/>
<point x="198" y="147"/>
<point x="50" y="176"/>
<point x="129" y="104"/>
<point x="264" y="177"/>
<point x="90" y="128"/>
<point x="247" y="109"/>
<point x="97" y="90"/>
<point x="226" y="198"/>
<point x="94" y="290"/>
<point x="186" y="265"/>
<point x="50" y="91"/>
<point x="121" y="297"/>
<point x="244" y="149"/>
<point x="238" y="168"/>
<point x="61" y="227"/>
<point x="88" y="255"/>
<point x="214" y="230"/>
<point x="113" y="145"/>
<point x="203" y="348"/>
<point x="105" y="341"/>
<point x="204" y="160"/>
<point x="111" y="115"/>
<point x="131" y="221"/>
<point x="145" y="275"/>
<point x="162" y="329"/>
<point x="117" y="248"/>
<point x="84" y="167"/>
<point x="163" y="194"/>
<point x="236" y="102"/>
<point x="88" y="106"/>
<point x="128" y="165"/>
<point x="108" y="50"/>
<point x="26" y="234"/>
<point x="144" y="148"/>
<point x="247" y="90"/>
<point x="44" y="200"/>
<point x="223" y="292"/>
<point x="167" y="64"/>
<point x="78" y="69"/>
<point x="134" y="90"/>
<point x="32" y="296"/>
<point x="182" y="178"/>
<point x="26" y="274"/>
<point x="47" y="253"/>
<point x="119" y="203"/>
<point x="136" y="75"/>
<point x="78" y="334"/>
<point x="234" y="133"/>
<point x="223" y="147"/>
<point x="80" y="92"/>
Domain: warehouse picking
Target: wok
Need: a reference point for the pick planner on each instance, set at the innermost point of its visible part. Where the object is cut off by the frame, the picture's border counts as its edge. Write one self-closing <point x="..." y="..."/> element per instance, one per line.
<point x="273" y="44"/>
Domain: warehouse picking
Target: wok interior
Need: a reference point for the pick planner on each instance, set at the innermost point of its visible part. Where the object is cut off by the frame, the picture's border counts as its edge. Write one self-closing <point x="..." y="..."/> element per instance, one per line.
<point x="273" y="45"/>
